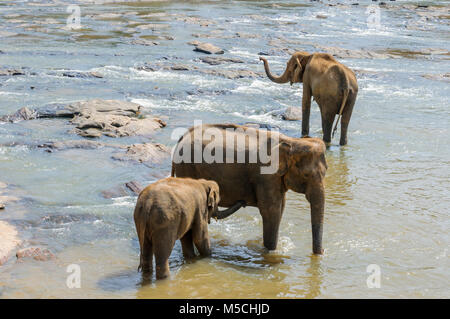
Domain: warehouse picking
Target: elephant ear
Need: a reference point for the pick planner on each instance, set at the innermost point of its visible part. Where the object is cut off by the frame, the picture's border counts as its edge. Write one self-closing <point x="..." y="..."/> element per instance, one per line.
<point x="298" y="72"/>
<point x="212" y="201"/>
<point x="284" y="153"/>
<point x="212" y="198"/>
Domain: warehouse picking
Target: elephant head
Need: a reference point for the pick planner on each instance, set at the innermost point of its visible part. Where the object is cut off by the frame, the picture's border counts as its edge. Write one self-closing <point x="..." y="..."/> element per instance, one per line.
<point x="294" y="69"/>
<point x="302" y="168"/>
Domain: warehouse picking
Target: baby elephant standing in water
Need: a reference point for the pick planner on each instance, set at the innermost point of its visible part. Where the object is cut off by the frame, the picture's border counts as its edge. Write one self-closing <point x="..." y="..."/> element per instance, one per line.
<point x="171" y="209"/>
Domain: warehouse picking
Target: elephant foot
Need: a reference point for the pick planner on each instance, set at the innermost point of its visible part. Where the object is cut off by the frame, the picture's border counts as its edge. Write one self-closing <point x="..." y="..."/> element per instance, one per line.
<point x="162" y="272"/>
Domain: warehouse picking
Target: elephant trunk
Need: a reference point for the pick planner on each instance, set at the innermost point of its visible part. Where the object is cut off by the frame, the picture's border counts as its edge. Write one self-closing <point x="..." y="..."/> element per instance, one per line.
<point x="316" y="199"/>
<point x="277" y="79"/>
<point x="221" y="214"/>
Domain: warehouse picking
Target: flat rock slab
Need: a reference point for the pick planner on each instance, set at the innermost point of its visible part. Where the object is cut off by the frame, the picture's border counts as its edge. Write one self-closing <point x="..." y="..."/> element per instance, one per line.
<point x="115" y="107"/>
<point x="9" y="240"/>
<point x="219" y="60"/>
<point x="80" y="144"/>
<point x="146" y="153"/>
<point x="208" y="48"/>
<point x="112" y="118"/>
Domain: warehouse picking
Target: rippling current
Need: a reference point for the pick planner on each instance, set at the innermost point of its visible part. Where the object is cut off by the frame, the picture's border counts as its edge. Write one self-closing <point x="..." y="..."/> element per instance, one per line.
<point x="387" y="191"/>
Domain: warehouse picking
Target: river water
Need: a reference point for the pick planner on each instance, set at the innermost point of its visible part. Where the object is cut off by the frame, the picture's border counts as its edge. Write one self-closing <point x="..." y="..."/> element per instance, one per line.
<point x="387" y="192"/>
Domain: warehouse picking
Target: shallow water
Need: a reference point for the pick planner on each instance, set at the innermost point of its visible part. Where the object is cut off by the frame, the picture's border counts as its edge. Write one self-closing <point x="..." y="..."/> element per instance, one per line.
<point x="387" y="191"/>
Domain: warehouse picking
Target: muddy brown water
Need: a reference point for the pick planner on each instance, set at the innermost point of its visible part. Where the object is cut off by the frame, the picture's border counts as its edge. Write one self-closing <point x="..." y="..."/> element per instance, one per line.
<point x="387" y="192"/>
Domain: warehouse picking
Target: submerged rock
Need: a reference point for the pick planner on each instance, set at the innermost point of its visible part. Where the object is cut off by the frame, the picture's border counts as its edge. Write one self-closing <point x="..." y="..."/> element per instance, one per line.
<point x="81" y="144"/>
<point x="10" y="72"/>
<point x="126" y="189"/>
<point x="37" y="253"/>
<point x="219" y="60"/>
<point x="438" y="77"/>
<point x="20" y="115"/>
<point x="82" y="75"/>
<point x="146" y="153"/>
<point x="144" y="42"/>
<point x="134" y="186"/>
<point x="233" y="73"/>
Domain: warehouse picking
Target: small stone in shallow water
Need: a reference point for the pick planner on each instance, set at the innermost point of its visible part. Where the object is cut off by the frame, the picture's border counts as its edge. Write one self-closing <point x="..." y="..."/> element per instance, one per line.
<point x="2" y="206"/>
<point x="37" y="253"/>
<point x="10" y="72"/>
<point x="292" y="114"/>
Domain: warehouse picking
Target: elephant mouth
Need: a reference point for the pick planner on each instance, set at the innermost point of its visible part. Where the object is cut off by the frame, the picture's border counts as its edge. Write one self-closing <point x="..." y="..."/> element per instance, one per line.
<point x="221" y="214"/>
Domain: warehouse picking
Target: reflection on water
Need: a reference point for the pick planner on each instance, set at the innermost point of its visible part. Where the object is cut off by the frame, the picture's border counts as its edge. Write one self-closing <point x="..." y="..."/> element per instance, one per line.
<point x="386" y="191"/>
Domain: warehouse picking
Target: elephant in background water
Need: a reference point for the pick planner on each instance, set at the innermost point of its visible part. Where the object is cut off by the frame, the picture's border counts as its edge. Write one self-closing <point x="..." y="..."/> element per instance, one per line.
<point x="332" y="85"/>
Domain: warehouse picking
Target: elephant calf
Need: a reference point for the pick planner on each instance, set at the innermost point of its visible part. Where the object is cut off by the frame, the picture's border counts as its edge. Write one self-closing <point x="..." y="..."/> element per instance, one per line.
<point x="171" y="209"/>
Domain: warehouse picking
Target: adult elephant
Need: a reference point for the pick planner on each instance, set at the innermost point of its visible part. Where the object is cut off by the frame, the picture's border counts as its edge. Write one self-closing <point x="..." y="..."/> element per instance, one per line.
<point x="332" y="85"/>
<point x="297" y="164"/>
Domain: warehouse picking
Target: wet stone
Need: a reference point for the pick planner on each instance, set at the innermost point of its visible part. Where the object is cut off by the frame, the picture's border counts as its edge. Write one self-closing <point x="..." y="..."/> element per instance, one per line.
<point x="11" y="72"/>
<point x="219" y="60"/>
<point x="37" y="253"/>
<point x="208" y="48"/>
<point x="292" y="113"/>
<point x="146" y="153"/>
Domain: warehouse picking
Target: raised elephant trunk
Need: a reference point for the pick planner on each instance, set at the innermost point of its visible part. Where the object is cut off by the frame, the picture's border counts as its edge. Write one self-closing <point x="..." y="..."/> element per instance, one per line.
<point x="221" y="214"/>
<point x="316" y="198"/>
<point x="281" y="79"/>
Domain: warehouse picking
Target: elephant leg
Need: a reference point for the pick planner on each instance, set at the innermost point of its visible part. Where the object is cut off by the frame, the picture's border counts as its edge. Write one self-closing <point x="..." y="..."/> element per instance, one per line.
<point x="201" y="241"/>
<point x="147" y="256"/>
<point x="187" y="245"/>
<point x="306" y="109"/>
<point x="346" y="118"/>
<point x="270" y="204"/>
<point x="163" y="243"/>
<point x="271" y="223"/>
<point x="327" y="124"/>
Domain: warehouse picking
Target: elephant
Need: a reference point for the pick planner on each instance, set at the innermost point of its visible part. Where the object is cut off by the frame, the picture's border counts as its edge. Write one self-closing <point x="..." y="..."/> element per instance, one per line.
<point x="301" y="168"/>
<point x="172" y="209"/>
<point x="332" y="85"/>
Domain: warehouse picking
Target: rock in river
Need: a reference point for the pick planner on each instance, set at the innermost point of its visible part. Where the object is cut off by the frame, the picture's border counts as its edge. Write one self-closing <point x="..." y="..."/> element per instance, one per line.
<point x="146" y="153"/>
<point x="20" y="115"/>
<point x="292" y="113"/>
<point x="8" y="240"/>
<point x="112" y="118"/>
<point x="37" y="253"/>
<point x="95" y="118"/>
<point x="208" y="48"/>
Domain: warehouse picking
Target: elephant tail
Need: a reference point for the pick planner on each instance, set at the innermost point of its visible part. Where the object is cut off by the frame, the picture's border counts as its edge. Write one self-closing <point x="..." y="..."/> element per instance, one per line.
<point x="345" y="92"/>
<point x="172" y="173"/>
